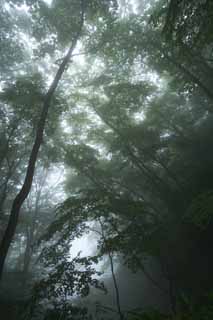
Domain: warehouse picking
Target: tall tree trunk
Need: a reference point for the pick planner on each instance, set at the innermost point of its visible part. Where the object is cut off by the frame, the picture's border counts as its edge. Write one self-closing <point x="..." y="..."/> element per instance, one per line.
<point x="23" y="193"/>
<point x="117" y="294"/>
<point x="116" y="287"/>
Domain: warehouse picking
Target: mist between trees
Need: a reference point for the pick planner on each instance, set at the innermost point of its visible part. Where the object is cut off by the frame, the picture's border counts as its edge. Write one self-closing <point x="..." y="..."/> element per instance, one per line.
<point x="106" y="153"/>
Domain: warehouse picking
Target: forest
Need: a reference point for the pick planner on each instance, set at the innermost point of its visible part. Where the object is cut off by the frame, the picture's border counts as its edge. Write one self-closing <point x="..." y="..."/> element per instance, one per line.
<point x="106" y="166"/>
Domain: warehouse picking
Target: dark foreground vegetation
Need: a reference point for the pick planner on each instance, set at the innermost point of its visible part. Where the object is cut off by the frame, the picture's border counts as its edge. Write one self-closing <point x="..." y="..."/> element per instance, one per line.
<point x="106" y="136"/>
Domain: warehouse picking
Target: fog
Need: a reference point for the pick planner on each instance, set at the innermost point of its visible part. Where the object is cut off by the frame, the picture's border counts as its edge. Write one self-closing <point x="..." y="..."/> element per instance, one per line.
<point x="106" y="158"/>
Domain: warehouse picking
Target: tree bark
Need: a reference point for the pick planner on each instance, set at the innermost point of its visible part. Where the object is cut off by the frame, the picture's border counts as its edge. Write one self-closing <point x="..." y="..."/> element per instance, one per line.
<point x="23" y="193"/>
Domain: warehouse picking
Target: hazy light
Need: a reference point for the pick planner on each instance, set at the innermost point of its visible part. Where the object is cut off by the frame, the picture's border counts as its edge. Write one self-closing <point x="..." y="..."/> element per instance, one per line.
<point x="48" y="2"/>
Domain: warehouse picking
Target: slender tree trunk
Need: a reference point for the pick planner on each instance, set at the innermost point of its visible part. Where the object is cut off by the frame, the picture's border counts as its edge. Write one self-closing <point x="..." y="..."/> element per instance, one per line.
<point x="4" y="186"/>
<point x="4" y="153"/>
<point x="116" y="287"/>
<point x="23" y="193"/>
<point x="28" y="251"/>
<point x="31" y="229"/>
<point x="3" y="195"/>
<point x="113" y="277"/>
<point x="30" y="237"/>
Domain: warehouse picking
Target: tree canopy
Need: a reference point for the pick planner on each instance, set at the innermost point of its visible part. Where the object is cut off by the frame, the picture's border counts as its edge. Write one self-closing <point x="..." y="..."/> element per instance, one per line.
<point x="106" y="135"/>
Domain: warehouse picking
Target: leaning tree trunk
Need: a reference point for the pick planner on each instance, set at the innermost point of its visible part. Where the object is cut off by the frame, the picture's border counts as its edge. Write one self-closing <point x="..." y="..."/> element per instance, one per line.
<point x="23" y="193"/>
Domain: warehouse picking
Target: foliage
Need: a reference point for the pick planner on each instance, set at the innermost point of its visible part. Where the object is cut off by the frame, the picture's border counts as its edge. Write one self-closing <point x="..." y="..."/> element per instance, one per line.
<point x="57" y="292"/>
<point x="131" y="128"/>
<point x="200" y="211"/>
